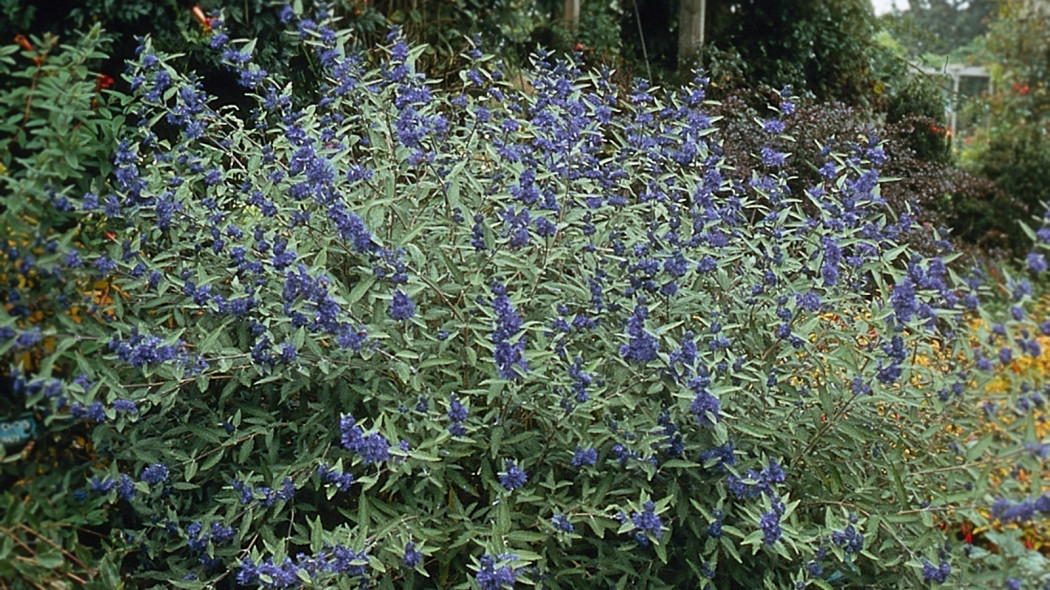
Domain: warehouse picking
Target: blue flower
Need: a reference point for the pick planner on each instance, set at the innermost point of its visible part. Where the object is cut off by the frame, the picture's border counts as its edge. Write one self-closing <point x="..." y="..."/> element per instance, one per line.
<point x="401" y="307"/>
<point x="715" y="528"/>
<point x="584" y="457"/>
<point x="1036" y="262"/>
<point x="829" y="267"/>
<point x="154" y="474"/>
<point x="849" y="538"/>
<point x="73" y="259"/>
<point x="102" y="486"/>
<point x="545" y="227"/>
<point x="904" y="301"/>
<point x="329" y="475"/>
<point x="647" y="523"/>
<point x="561" y="522"/>
<point x="95" y="412"/>
<point x="516" y="226"/>
<point x="246" y="491"/>
<point x="221" y="535"/>
<point x="932" y="573"/>
<point x="770" y="525"/>
<point x="287" y="491"/>
<point x="705" y="406"/>
<point x="725" y="455"/>
<point x="771" y="157"/>
<point x="513" y="477"/>
<point x="641" y="346"/>
<point x="457" y="414"/>
<point x="413" y="556"/>
<point x="126" y="489"/>
<point x="773" y="126"/>
<point x="28" y="339"/>
<point x="1020" y="289"/>
<point x="104" y="265"/>
<point x="194" y="539"/>
<point x="140" y="350"/>
<point x="373" y="448"/>
<point x="509" y="355"/>
<point x="491" y="578"/>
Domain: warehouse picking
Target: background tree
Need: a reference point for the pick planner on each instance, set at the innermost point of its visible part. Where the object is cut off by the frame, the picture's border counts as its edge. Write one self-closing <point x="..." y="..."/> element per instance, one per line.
<point x="1010" y="148"/>
<point x="940" y="26"/>
<point x="818" y="46"/>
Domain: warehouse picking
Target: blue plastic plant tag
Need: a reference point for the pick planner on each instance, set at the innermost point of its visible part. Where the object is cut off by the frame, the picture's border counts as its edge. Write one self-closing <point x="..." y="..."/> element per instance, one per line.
<point x="17" y="431"/>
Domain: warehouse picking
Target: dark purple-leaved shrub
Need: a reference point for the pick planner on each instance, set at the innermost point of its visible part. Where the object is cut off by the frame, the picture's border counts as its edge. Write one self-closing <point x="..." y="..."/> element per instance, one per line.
<point x="945" y="201"/>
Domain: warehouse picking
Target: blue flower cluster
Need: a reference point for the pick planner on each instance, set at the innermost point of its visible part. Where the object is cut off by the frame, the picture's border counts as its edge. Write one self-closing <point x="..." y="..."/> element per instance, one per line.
<point x="724" y="456"/>
<point x="373" y="447"/>
<point x="413" y="557"/>
<point x="102" y="486"/>
<point x="562" y="523"/>
<point x="96" y="412"/>
<point x="1022" y="512"/>
<point x="510" y="352"/>
<point x="238" y="61"/>
<point x="155" y="474"/>
<point x="936" y="573"/>
<point x="705" y="406"/>
<point x="642" y="347"/>
<point x="584" y="457"/>
<point x="126" y="489"/>
<point x="647" y="524"/>
<point x="757" y="483"/>
<point x="714" y="530"/>
<point x="849" y="538"/>
<point x="457" y="415"/>
<point x="512" y="477"/>
<point x="197" y="541"/>
<point x="496" y="574"/>
<point x="580" y="380"/>
<point x="326" y="312"/>
<point x="760" y="483"/>
<point x="769" y="523"/>
<point x="329" y="563"/>
<point x="264" y="496"/>
<point x="140" y="350"/>
<point x="343" y="480"/>
<point x="401" y="307"/>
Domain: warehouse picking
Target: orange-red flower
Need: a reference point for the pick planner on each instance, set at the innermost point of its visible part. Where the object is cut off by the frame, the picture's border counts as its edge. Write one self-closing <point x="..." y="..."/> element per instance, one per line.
<point x="204" y="20"/>
<point x="103" y="81"/>
<point x="23" y="42"/>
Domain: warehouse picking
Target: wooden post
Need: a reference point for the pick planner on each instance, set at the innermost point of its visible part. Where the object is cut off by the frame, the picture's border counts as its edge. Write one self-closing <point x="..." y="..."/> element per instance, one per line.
<point x="571" y="14"/>
<point x="691" y="16"/>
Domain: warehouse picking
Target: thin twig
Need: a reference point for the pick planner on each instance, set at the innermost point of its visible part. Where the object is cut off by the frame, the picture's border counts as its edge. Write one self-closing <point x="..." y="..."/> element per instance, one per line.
<point x="641" y="36"/>
<point x="56" y="546"/>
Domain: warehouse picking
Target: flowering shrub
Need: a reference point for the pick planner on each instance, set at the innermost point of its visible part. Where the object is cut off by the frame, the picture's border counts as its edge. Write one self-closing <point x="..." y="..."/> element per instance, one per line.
<point x="470" y="336"/>
<point x="1007" y="412"/>
<point x="56" y="137"/>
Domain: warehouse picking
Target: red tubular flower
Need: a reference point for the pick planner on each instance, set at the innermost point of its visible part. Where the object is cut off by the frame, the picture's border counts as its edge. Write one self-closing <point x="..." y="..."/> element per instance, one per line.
<point x="204" y="20"/>
<point x="103" y="81"/>
<point x="24" y="43"/>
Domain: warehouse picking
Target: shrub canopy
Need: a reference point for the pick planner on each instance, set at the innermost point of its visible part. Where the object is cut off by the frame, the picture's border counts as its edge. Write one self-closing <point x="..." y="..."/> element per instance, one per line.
<point x="495" y="337"/>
